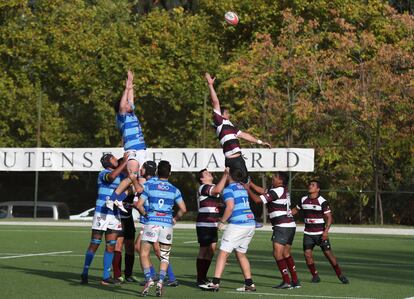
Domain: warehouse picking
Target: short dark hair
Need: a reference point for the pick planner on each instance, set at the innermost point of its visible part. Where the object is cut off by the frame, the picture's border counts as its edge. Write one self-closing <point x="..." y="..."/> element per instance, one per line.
<point x="117" y="105"/>
<point x="106" y="160"/>
<point x="164" y="169"/>
<point x="236" y="174"/>
<point x="150" y="168"/>
<point x="318" y="183"/>
<point x="200" y="175"/>
<point x="283" y="176"/>
<point x="223" y="108"/>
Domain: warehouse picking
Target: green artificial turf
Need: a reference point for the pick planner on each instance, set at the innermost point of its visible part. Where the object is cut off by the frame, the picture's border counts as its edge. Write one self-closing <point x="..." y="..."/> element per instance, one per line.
<point x="378" y="266"/>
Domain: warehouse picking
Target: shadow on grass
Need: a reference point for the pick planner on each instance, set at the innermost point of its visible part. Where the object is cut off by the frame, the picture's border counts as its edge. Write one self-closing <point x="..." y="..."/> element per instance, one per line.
<point x="71" y="279"/>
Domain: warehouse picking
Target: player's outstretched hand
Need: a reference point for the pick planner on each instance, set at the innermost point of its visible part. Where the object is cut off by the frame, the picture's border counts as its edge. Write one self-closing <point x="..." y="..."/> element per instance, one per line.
<point x="210" y="80"/>
<point x="226" y="171"/>
<point x="130" y="76"/>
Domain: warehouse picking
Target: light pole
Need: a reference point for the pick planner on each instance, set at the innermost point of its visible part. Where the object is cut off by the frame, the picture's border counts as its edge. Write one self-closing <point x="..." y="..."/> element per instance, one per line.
<point x="38" y="144"/>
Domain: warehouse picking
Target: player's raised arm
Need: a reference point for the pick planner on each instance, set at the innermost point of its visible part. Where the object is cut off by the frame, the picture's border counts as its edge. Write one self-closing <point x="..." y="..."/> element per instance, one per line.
<point x="257" y="189"/>
<point x="252" y="195"/>
<point x="110" y="177"/>
<point x="124" y="103"/>
<point x="130" y="88"/>
<point x="221" y="184"/>
<point x="214" y="99"/>
<point x="250" y="138"/>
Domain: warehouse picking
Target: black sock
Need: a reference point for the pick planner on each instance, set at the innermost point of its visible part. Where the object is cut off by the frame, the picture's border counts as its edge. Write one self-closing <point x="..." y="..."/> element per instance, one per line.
<point x="248" y="282"/>
<point x="216" y="280"/>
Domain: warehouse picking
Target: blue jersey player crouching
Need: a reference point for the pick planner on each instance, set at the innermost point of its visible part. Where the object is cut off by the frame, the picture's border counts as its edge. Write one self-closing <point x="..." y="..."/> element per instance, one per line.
<point x="105" y="220"/>
<point x="161" y="196"/>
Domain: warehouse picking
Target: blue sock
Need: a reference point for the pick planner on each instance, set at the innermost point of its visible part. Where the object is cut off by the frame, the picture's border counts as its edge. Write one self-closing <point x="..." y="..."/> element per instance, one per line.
<point x="162" y="275"/>
<point x="88" y="261"/>
<point x="147" y="274"/>
<point x="107" y="263"/>
<point x="119" y="197"/>
<point x="171" y="276"/>
<point x="153" y="272"/>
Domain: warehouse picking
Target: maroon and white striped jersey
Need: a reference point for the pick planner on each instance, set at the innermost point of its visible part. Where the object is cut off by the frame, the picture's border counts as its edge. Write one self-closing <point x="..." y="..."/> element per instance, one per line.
<point x="208" y="207"/>
<point x="227" y="134"/>
<point x="277" y="201"/>
<point x="313" y="212"/>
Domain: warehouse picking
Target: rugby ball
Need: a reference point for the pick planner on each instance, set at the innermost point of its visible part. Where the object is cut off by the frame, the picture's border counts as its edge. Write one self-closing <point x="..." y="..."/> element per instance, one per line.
<point x="231" y="18"/>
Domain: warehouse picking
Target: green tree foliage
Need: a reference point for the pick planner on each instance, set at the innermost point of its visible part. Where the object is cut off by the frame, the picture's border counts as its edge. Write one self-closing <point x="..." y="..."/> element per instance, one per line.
<point x="334" y="75"/>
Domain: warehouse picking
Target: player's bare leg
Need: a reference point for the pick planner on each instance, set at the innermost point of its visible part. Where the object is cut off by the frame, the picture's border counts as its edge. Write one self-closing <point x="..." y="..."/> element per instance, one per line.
<point x="156" y="249"/>
<point x="311" y="265"/>
<point x="146" y="263"/>
<point x="133" y="169"/>
<point x="245" y="267"/>
<point x="165" y="250"/>
<point x="220" y="264"/>
<point x="332" y="260"/>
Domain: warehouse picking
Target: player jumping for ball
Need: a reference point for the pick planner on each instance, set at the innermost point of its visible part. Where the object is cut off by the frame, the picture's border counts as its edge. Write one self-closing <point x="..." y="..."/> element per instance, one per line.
<point x="132" y="137"/>
<point x="228" y="134"/>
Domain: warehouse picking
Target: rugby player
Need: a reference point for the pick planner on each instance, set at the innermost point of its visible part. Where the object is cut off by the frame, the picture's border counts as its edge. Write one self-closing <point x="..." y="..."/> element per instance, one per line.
<point x="148" y="171"/>
<point x="318" y="219"/>
<point x="105" y="221"/>
<point x="132" y="137"/>
<point x="238" y="233"/>
<point x="207" y="220"/>
<point x="277" y="201"/>
<point x="228" y="134"/>
<point x="125" y="239"/>
<point x="161" y="196"/>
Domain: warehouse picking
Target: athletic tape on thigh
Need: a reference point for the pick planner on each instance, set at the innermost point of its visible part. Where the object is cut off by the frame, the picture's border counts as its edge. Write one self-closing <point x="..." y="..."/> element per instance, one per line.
<point x="96" y="241"/>
<point x="111" y="242"/>
<point x="165" y="255"/>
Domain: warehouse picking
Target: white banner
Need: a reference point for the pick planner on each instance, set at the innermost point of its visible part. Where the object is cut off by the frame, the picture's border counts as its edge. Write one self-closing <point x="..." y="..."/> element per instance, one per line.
<point x="181" y="159"/>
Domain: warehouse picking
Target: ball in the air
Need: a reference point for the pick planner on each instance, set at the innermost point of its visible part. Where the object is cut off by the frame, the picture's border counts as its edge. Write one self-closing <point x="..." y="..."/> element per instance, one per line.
<point x="231" y="18"/>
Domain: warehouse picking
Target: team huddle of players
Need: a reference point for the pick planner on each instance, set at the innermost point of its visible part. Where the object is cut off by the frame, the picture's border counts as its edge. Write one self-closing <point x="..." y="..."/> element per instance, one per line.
<point x="132" y="182"/>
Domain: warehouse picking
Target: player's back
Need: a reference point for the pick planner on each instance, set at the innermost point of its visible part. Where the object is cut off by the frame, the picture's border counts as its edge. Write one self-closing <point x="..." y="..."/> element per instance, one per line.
<point x="131" y="131"/>
<point x="161" y="196"/>
<point x="242" y="214"/>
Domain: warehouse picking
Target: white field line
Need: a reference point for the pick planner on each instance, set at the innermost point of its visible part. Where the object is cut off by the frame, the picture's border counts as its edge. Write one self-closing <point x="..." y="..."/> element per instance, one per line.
<point x="190" y="242"/>
<point x="35" y="254"/>
<point x="296" y="295"/>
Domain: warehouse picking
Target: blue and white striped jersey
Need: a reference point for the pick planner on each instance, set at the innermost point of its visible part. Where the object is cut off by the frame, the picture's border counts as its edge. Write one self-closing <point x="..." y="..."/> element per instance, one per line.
<point x="242" y="214"/>
<point x="131" y="131"/>
<point x="105" y="189"/>
<point x="161" y="196"/>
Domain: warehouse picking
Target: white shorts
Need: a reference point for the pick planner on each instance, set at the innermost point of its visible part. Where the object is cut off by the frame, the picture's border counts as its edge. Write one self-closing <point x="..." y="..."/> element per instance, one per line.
<point x="138" y="155"/>
<point x="237" y="237"/>
<point x="104" y="222"/>
<point x="157" y="233"/>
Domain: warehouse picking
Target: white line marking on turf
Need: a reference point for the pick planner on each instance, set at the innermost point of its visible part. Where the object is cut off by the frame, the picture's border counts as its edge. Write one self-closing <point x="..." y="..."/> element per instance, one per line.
<point x="34" y="254"/>
<point x="189" y="242"/>
<point x="291" y="295"/>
